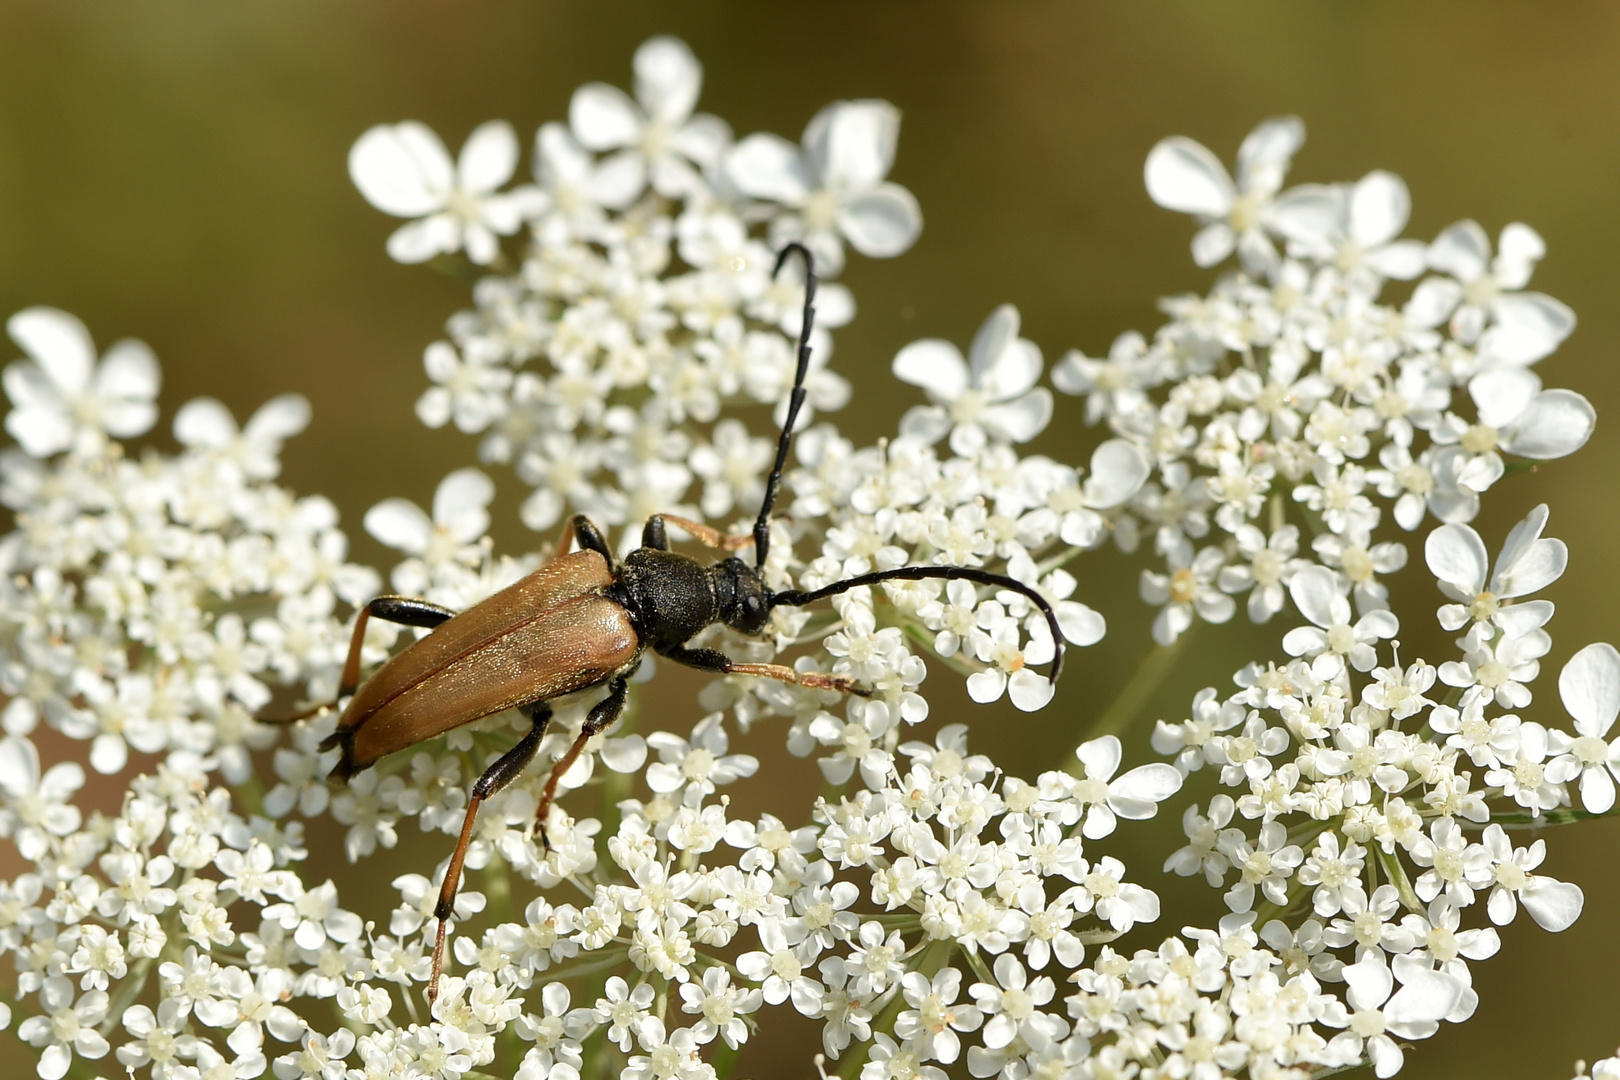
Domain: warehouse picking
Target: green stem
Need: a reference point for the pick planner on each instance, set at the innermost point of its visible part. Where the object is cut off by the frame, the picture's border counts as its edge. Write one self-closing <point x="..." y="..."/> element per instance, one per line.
<point x="1526" y="820"/>
<point x="1134" y="695"/>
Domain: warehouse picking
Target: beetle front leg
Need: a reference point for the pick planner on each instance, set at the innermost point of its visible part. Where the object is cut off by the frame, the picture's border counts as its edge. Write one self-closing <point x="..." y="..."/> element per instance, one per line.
<point x="404" y="610"/>
<point x="590" y="538"/>
<point x="714" y="660"/>
<point x="703" y="534"/>
<point x="507" y="768"/>
<point x="601" y="717"/>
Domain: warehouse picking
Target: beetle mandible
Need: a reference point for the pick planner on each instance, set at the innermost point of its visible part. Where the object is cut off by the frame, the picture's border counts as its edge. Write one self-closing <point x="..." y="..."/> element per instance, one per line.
<point x="581" y="621"/>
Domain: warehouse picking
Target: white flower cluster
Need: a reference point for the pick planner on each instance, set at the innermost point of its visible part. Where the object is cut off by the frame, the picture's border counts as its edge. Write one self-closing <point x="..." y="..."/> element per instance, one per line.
<point x="929" y="911"/>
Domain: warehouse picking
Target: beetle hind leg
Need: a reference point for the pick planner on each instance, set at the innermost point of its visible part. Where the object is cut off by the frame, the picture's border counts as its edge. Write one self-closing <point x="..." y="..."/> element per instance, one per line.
<point x="404" y="610"/>
<point x="601" y="717"/>
<point x="508" y="767"/>
<point x="714" y="660"/>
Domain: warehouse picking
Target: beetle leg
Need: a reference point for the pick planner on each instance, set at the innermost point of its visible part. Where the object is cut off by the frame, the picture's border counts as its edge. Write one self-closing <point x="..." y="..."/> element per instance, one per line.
<point x="590" y="538"/>
<point x="600" y="718"/>
<point x="506" y="769"/>
<point x="714" y="660"/>
<point x="703" y="534"/>
<point x="404" y="610"/>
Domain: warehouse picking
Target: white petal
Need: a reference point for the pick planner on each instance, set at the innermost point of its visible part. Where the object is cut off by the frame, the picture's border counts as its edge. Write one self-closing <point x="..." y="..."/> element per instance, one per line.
<point x="1597" y="790"/>
<point x="1022" y="419"/>
<point x="1555" y="905"/>
<point x="1502" y="394"/>
<point x="1403" y="260"/>
<point x="1379" y="208"/>
<point x="58" y="343"/>
<point x="1263" y="158"/>
<point x="419" y="241"/>
<point x="995" y="336"/>
<point x="1310" y="213"/>
<point x="1314" y="590"/>
<point x="704" y="139"/>
<point x="489" y="157"/>
<point x="1462" y="251"/>
<point x="1080" y="624"/>
<point x="1556" y="423"/>
<point x="400" y="524"/>
<point x="986" y="686"/>
<point x="1136" y="795"/>
<point x="402" y="169"/>
<point x="1433" y="301"/>
<point x="1029" y="690"/>
<point x="603" y="117"/>
<point x="1590" y="687"/>
<point x="881" y="223"/>
<point x="668" y="79"/>
<point x="460" y="501"/>
<point x="1427" y="996"/>
<point x="1213" y="243"/>
<point x="558" y="157"/>
<point x="1528" y="327"/>
<point x="1100" y="756"/>
<point x="852" y="143"/>
<point x="129" y="370"/>
<point x="1118" y="471"/>
<point x="769" y="167"/>
<point x="1456" y="555"/>
<point x="127" y="418"/>
<point x="1183" y="175"/>
<point x="1542" y="565"/>
<point x="1517" y="251"/>
<point x="934" y="365"/>
<point x="618" y="179"/>
<point x="204" y="422"/>
<point x="19" y="766"/>
<point x="624" y="755"/>
<point x="281" y="417"/>
<point x="41" y="432"/>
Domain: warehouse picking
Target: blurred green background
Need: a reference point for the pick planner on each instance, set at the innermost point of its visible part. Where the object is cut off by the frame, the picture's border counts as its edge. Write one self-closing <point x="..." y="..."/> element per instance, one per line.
<point x="176" y="172"/>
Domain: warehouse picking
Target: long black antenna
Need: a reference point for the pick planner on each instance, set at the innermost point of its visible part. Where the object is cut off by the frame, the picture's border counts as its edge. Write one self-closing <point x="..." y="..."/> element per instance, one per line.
<point x="762" y="527"/>
<point x="796" y="598"/>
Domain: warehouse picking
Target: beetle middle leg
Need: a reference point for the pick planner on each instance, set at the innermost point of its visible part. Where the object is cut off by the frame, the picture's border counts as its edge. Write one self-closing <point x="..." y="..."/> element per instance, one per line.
<point x="403" y="610"/>
<point x="601" y="717"/>
<point x="508" y="767"/>
<point x="714" y="660"/>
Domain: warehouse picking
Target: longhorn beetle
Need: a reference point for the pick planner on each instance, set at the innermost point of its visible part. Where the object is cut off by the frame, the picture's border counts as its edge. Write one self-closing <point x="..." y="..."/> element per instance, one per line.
<point x="580" y="621"/>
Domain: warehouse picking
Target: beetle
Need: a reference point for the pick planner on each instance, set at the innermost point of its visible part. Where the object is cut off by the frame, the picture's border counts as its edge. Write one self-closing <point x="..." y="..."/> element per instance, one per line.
<point x="584" y="620"/>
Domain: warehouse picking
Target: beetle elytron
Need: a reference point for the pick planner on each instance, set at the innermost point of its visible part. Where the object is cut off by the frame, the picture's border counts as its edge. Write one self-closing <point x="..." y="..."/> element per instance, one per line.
<point x="581" y="621"/>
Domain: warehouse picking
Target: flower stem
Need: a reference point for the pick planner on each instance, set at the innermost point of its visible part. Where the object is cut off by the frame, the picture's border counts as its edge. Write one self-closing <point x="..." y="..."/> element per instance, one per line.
<point x="1128" y="703"/>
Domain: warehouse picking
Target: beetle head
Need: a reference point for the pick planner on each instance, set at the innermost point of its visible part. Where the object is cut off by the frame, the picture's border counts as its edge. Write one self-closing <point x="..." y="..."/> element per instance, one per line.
<point x="743" y="601"/>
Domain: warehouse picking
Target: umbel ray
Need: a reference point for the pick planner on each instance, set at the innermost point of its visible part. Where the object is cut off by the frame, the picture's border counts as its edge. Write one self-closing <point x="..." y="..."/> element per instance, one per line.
<point x="582" y="621"/>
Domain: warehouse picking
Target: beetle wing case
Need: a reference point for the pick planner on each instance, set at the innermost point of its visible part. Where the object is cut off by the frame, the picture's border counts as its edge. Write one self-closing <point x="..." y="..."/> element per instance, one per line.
<point x="551" y="633"/>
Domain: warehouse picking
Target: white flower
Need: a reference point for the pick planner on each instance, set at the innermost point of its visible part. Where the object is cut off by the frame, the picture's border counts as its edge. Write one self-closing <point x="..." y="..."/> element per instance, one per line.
<point x="1590" y="687"/>
<point x="1189" y="587"/>
<point x="470" y="388"/>
<point x="835" y="183"/>
<point x="1335" y="639"/>
<point x="935" y="1015"/>
<point x="1527" y="563"/>
<point x="404" y="170"/>
<point x="1361" y="237"/>
<point x="1524" y="326"/>
<point x="1554" y="904"/>
<point x="1413" y="1012"/>
<point x="61" y="394"/>
<point x="1011" y="1006"/>
<point x="450" y="537"/>
<point x="1183" y="175"/>
<point x="697" y="765"/>
<point x="658" y="137"/>
<point x="1134" y="796"/>
<point x="36" y="807"/>
<point x="206" y="424"/>
<point x="991" y="396"/>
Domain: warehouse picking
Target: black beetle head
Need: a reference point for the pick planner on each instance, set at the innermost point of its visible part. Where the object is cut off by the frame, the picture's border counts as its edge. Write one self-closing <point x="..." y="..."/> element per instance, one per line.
<point x="743" y="601"/>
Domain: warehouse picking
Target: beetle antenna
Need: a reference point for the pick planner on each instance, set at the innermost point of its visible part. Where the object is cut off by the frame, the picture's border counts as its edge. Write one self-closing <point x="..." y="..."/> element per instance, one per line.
<point x="762" y="527"/>
<point x="797" y="598"/>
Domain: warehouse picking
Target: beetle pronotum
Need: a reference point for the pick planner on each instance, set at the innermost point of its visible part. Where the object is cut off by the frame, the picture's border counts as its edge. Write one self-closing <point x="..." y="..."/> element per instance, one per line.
<point x="580" y="622"/>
